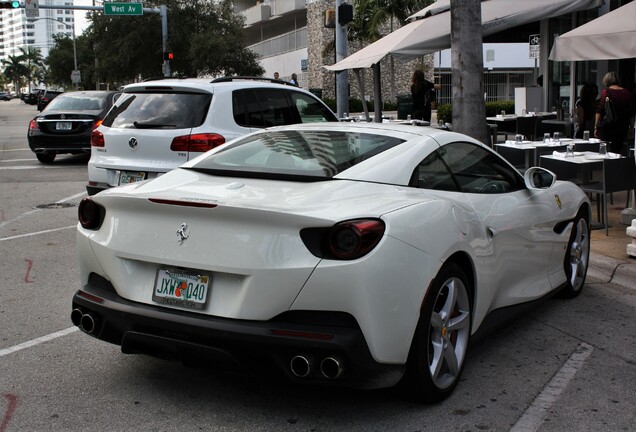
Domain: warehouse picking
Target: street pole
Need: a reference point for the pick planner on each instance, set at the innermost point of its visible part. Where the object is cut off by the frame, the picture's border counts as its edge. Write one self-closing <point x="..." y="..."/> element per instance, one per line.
<point x="342" y="77"/>
<point x="163" y="10"/>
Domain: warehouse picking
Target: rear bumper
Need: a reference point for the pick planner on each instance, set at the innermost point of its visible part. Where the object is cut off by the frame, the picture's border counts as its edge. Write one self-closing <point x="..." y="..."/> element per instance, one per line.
<point x="264" y="348"/>
<point x="67" y="144"/>
<point x="93" y="187"/>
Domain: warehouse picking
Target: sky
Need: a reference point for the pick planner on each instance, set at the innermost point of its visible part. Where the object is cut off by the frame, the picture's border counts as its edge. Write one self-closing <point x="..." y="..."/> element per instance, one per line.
<point x="80" y="16"/>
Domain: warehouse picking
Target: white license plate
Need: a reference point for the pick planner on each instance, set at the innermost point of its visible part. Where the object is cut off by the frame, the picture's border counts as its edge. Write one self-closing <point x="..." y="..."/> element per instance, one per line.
<point x="181" y="288"/>
<point x="63" y="126"/>
<point x="127" y="177"/>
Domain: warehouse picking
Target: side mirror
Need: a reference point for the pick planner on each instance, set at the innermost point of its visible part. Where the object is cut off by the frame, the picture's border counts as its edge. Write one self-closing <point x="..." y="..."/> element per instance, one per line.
<point x="539" y="178"/>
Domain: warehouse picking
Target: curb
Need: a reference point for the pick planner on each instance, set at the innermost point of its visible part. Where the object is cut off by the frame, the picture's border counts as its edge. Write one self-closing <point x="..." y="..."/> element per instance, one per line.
<point x="604" y="269"/>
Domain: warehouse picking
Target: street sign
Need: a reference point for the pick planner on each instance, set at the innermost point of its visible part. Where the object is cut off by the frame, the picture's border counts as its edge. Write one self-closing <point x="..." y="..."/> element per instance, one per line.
<point x="112" y="8"/>
<point x="535" y="46"/>
<point x="76" y="77"/>
<point x="31" y="8"/>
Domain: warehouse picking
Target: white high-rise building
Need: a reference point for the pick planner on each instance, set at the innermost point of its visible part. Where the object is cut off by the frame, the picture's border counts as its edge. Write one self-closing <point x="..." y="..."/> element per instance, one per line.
<point x="17" y="32"/>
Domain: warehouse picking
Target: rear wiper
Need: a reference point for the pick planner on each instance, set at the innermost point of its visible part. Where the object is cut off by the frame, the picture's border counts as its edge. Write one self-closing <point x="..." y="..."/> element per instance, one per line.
<point x="153" y="125"/>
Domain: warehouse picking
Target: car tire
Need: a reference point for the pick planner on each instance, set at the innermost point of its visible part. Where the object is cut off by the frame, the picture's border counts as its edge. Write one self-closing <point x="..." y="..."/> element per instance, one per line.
<point x="442" y="337"/>
<point x="577" y="256"/>
<point x="46" y="158"/>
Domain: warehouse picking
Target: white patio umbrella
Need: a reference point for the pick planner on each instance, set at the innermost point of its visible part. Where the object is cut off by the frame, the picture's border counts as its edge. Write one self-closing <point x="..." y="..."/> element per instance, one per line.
<point x="611" y="36"/>
<point x="432" y="32"/>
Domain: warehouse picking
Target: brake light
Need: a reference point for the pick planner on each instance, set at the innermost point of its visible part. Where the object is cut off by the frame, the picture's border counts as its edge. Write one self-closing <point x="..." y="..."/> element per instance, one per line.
<point x="90" y="214"/>
<point x="355" y="238"/>
<point x="97" y="123"/>
<point x="197" y="142"/>
<point x="33" y="126"/>
<point x="97" y="138"/>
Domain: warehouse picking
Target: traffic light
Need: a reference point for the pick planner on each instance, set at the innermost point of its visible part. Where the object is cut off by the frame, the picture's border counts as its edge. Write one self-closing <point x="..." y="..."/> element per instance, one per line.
<point x="345" y="14"/>
<point x="9" y="4"/>
<point x="168" y="55"/>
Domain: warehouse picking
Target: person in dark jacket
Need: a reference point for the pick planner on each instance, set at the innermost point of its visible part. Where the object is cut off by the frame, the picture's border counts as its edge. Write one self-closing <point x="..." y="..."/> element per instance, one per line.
<point x="616" y="131"/>
<point x="423" y="94"/>
<point x="585" y="109"/>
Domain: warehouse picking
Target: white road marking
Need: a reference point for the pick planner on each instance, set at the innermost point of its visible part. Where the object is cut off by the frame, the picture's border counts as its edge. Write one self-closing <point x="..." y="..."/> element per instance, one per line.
<point x="13" y="150"/>
<point x="23" y="215"/>
<point x="36" y="233"/>
<point x="532" y="419"/>
<point x="37" y="341"/>
<point x="18" y="160"/>
<point x="39" y="166"/>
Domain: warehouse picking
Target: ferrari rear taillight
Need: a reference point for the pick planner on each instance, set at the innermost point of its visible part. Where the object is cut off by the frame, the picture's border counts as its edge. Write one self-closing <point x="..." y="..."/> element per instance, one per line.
<point x="90" y="214"/>
<point x="33" y="126"/>
<point x="346" y="240"/>
<point x="196" y="142"/>
<point x="353" y="239"/>
<point x="97" y="138"/>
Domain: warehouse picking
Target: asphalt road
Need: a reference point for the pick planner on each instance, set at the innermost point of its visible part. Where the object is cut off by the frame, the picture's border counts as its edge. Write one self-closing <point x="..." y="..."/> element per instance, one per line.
<point x="567" y="365"/>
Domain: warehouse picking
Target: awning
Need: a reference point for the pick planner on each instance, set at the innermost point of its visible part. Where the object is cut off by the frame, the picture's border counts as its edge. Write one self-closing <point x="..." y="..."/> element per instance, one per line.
<point x="432" y="32"/>
<point x="611" y="36"/>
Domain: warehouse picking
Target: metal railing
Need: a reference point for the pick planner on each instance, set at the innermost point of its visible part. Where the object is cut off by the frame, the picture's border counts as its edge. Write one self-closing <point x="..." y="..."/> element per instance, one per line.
<point x="497" y="85"/>
<point x="287" y="42"/>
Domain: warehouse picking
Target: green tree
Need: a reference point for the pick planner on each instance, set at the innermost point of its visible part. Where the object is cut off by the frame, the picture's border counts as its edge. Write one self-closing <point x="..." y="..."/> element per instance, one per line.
<point x="205" y="37"/>
<point x="35" y="70"/>
<point x="61" y="62"/>
<point x="15" y="70"/>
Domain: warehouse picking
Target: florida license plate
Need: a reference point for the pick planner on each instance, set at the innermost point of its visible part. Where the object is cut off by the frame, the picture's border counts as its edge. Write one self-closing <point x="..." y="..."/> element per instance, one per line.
<point x="127" y="177"/>
<point x="63" y="126"/>
<point x="181" y="288"/>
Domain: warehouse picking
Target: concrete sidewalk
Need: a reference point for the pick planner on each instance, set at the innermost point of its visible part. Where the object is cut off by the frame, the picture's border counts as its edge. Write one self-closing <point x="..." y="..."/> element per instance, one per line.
<point x="609" y="261"/>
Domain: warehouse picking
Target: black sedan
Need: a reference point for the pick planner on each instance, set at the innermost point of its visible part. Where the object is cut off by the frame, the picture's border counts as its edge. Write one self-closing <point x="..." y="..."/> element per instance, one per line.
<point x="65" y="126"/>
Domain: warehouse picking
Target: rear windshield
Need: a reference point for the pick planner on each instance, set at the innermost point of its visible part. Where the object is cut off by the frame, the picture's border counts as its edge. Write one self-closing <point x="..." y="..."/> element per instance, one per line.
<point x="78" y="102"/>
<point x="306" y="155"/>
<point x="159" y="111"/>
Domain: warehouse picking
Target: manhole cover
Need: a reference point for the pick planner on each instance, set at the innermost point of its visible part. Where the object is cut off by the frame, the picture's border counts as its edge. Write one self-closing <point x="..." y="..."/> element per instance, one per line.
<point x="55" y="206"/>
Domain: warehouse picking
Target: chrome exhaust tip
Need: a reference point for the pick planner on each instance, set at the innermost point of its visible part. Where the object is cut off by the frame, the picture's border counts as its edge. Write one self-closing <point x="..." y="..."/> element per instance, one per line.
<point x="331" y="367"/>
<point x="88" y="323"/>
<point x="300" y="366"/>
<point x="76" y="317"/>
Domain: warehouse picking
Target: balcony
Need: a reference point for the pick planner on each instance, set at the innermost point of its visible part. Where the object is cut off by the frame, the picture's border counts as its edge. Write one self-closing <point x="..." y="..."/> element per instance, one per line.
<point x="256" y="14"/>
<point x="282" y="7"/>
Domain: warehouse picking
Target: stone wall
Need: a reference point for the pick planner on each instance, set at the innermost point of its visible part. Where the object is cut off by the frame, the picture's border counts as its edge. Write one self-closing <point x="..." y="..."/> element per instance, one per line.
<point x="320" y="51"/>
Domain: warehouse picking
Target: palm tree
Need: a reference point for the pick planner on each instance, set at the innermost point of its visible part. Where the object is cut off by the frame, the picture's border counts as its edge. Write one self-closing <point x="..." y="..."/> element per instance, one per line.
<point x="15" y="70"/>
<point x="373" y="15"/>
<point x="35" y="66"/>
<point x="469" y="108"/>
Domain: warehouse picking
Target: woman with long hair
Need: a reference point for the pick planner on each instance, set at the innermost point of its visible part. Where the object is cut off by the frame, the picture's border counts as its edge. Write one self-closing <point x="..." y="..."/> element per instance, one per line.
<point x="614" y="132"/>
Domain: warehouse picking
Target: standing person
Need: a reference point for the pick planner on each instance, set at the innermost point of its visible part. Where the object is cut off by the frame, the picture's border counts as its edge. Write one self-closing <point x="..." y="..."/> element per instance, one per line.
<point x="276" y="75"/>
<point x="294" y="80"/>
<point x="423" y="94"/>
<point x="614" y="132"/>
<point x="585" y="109"/>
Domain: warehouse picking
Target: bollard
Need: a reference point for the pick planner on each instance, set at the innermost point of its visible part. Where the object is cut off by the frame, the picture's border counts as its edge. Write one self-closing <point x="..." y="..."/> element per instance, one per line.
<point x="631" y="232"/>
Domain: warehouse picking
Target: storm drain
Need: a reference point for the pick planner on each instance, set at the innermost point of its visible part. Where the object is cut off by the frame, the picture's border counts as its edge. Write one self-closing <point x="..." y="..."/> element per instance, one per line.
<point x="55" y="206"/>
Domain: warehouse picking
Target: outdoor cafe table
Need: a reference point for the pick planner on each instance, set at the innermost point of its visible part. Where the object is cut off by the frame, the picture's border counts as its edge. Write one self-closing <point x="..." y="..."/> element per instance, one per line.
<point x="532" y="150"/>
<point x="508" y="122"/>
<point x="580" y="167"/>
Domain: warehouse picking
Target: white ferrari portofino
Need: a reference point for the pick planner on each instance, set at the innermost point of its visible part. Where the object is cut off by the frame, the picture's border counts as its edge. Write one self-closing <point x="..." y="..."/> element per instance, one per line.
<point x="346" y="254"/>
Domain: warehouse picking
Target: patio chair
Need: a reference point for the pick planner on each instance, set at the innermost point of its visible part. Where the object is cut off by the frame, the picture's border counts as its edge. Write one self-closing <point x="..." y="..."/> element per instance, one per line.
<point x="527" y="126"/>
<point x="617" y="175"/>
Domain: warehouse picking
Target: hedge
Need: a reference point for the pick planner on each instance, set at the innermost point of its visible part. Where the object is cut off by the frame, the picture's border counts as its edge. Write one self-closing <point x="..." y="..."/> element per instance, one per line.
<point x="445" y="111"/>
